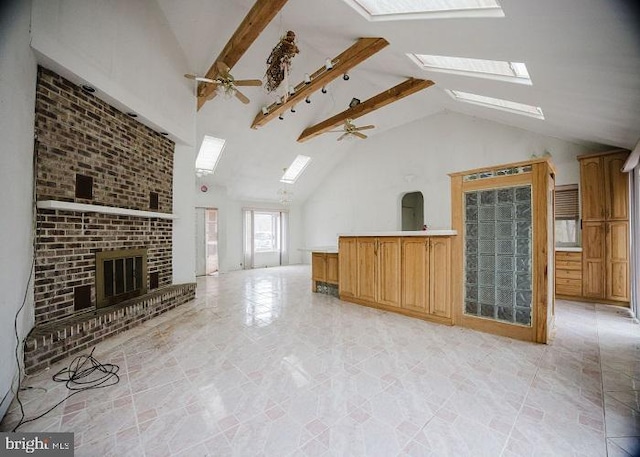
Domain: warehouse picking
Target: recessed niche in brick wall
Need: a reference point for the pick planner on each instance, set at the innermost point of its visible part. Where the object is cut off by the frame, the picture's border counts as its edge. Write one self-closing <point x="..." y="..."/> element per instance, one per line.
<point x="79" y="135"/>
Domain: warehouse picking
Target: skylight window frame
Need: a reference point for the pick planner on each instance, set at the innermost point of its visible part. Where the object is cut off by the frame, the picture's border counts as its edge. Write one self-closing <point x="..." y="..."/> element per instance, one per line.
<point x="488" y="12"/>
<point x="516" y="68"/>
<point x="460" y="97"/>
<point x="295" y="170"/>
<point x="217" y="145"/>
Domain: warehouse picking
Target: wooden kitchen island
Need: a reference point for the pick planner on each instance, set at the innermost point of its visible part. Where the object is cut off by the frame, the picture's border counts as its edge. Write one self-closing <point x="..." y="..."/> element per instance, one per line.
<point x="404" y="272"/>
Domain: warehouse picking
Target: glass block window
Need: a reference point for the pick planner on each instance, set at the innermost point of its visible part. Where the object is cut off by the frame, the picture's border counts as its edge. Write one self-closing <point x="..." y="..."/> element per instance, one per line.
<point x="498" y="254"/>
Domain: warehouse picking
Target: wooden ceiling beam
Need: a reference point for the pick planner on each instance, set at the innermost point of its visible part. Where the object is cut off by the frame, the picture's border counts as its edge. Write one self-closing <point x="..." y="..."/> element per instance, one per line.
<point x="404" y="89"/>
<point x="256" y="20"/>
<point x="357" y="53"/>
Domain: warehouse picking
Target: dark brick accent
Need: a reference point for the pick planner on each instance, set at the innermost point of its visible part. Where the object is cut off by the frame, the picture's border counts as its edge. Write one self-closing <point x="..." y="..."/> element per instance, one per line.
<point x="81" y="297"/>
<point x="154" y="280"/>
<point x="153" y="201"/>
<point x="84" y="187"/>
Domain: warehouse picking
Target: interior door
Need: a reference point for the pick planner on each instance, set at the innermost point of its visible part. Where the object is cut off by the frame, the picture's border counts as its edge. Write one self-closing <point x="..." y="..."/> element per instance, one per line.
<point x="201" y="247"/>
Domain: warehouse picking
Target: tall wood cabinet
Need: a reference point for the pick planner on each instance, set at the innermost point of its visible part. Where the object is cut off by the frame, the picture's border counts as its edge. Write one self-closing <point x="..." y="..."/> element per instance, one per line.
<point x="605" y="227"/>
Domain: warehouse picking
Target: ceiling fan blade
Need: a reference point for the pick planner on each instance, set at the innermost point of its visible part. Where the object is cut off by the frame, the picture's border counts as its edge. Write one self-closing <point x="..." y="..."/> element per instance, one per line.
<point x="360" y="135"/>
<point x="201" y="79"/>
<point x="212" y="95"/>
<point x="223" y="68"/>
<point x="342" y="137"/>
<point x="240" y="96"/>
<point x="365" y="127"/>
<point x="248" y="82"/>
<point x="335" y="131"/>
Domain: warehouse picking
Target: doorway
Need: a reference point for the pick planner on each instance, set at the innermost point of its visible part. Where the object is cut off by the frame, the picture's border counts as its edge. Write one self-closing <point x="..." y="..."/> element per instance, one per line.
<point x="412" y="211"/>
<point x="206" y="241"/>
<point x="265" y="238"/>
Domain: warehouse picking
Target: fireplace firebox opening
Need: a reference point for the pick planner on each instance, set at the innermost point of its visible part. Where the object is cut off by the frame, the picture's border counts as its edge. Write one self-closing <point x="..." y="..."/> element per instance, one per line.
<point x="120" y="275"/>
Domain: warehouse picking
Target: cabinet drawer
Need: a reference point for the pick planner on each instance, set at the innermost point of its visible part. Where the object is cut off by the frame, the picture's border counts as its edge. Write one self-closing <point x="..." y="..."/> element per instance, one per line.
<point x="570" y="290"/>
<point x="566" y="265"/>
<point x="562" y="273"/>
<point x="569" y="256"/>
<point x="568" y="282"/>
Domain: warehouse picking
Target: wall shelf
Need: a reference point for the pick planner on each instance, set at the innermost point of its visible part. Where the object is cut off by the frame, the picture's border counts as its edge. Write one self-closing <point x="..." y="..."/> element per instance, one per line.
<point x="86" y="208"/>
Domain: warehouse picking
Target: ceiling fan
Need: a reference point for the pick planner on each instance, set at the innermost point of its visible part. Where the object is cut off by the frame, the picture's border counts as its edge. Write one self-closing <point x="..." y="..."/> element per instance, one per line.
<point x="226" y="83"/>
<point x="349" y="129"/>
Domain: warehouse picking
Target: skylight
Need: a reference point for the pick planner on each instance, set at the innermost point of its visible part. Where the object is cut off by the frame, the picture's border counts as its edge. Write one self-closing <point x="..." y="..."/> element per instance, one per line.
<point x="497" y="103"/>
<point x="296" y="168"/>
<point x="491" y="69"/>
<point x="209" y="154"/>
<point x="390" y="10"/>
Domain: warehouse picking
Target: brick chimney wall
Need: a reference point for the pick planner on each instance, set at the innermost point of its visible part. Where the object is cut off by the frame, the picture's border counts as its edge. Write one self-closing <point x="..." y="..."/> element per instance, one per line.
<point x="79" y="134"/>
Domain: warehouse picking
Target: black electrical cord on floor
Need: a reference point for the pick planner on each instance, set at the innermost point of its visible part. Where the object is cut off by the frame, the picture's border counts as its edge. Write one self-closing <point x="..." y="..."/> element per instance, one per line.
<point x="79" y="378"/>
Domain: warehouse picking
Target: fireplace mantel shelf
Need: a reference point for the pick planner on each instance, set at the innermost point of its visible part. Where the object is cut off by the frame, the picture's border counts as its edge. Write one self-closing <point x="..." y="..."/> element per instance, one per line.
<point x="85" y="208"/>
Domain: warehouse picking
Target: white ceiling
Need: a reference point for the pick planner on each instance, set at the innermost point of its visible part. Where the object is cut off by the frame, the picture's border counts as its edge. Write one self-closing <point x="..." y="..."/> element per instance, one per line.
<point x="583" y="57"/>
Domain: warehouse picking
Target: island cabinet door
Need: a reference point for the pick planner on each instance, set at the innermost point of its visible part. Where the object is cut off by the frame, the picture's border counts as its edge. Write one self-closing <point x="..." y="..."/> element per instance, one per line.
<point x="348" y="266"/>
<point x="440" y="276"/>
<point x="367" y="255"/>
<point x="332" y="268"/>
<point x="388" y="250"/>
<point x="318" y="266"/>
<point x="415" y="271"/>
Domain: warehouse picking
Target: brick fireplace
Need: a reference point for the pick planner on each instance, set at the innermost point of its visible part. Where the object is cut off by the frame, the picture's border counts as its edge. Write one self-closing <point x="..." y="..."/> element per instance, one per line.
<point x="103" y="187"/>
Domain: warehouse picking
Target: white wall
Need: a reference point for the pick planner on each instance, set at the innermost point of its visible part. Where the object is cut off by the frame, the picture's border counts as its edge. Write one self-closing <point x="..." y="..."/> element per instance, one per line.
<point x="184" y="249"/>
<point x="364" y="192"/>
<point x="230" y="255"/>
<point x="17" y="98"/>
<point x="123" y="48"/>
<point x="127" y="51"/>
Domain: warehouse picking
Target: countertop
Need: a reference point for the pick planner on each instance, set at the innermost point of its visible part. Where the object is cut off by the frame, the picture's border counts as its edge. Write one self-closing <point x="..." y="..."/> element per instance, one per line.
<point x="568" y="249"/>
<point x="323" y="249"/>
<point x="438" y="232"/>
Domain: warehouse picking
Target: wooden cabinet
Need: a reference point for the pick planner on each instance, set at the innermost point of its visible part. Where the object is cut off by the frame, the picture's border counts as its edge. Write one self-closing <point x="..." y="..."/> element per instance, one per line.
<point x="415" y="271"/>
<point x="388" y="280"/>
<point x="366" y="270"/>
<point x="592" y="188"/>
<point x="616" y="188"/>
<point x="440" y="277"/>
<point x="348" y="266"/>
<point x="593" y="250"/>
<point x="617" y="261"/>
<point x="324" y="268"/>
<point x="605" y="227"/>
<point x="426" y="276"/>
<point x="410" y="275"/>
<point x="569" y="274"/>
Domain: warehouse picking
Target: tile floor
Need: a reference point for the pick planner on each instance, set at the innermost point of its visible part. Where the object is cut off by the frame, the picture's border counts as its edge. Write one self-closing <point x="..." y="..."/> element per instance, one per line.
<point x="257" y="365"/>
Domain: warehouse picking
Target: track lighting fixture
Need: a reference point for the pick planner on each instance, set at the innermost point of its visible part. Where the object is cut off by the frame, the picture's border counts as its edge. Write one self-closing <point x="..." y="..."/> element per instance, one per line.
<point x="279" y="101"/>
<point x="307" y="78"/>
<point x="324" y="89"/>
<point x="308" y="99"/>
<point x="345" y="77"/>
<point x="293" y="108"/>
<point x="281" y="117"/>
<point x="265" y="110"/>
<point x="292" y="90"/>
<point x="328" y="64"/>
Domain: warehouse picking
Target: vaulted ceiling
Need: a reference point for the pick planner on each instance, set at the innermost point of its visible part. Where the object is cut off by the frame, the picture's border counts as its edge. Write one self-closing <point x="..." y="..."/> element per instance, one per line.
<point x="583" y="57"/>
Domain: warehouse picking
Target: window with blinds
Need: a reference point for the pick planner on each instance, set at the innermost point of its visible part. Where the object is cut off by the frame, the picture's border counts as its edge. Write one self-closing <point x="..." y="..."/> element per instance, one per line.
<point x="567" y="223"/>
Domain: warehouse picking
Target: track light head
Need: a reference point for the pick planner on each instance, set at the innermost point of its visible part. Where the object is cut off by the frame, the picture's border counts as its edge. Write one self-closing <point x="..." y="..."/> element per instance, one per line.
<point x="307" y="100"/>
<point x="324" y="89"/>
<point x="345" y="77"/>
